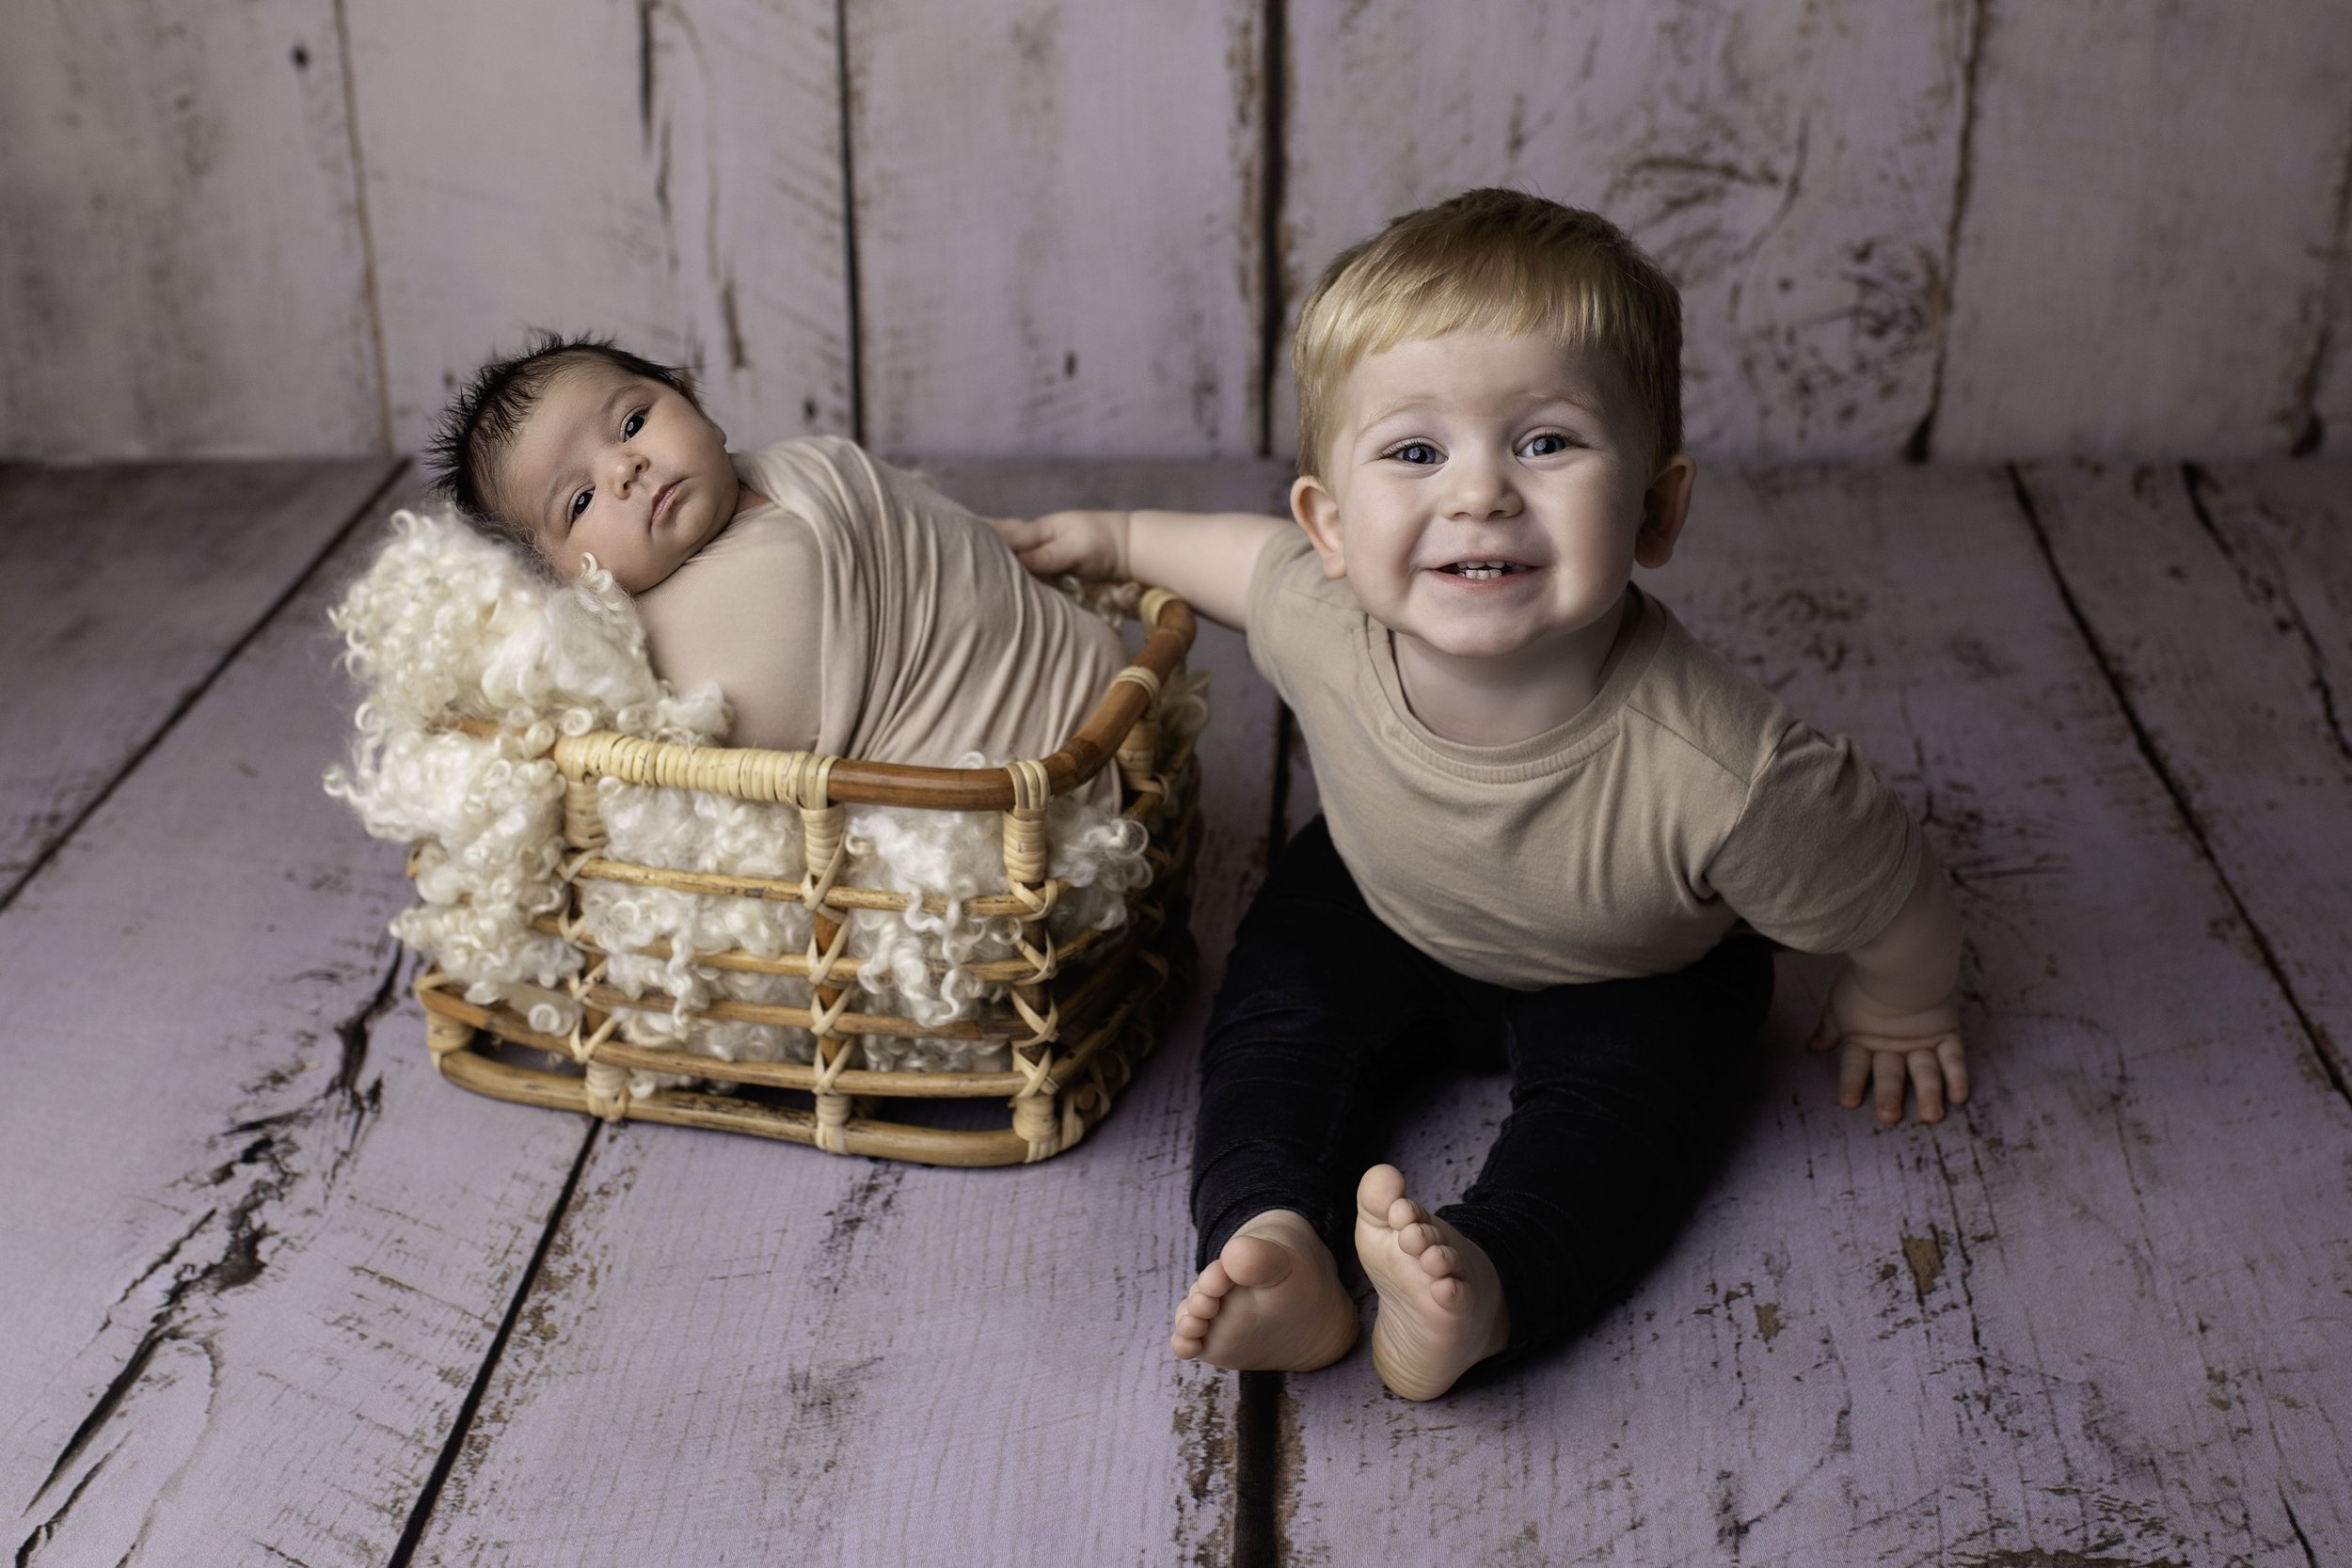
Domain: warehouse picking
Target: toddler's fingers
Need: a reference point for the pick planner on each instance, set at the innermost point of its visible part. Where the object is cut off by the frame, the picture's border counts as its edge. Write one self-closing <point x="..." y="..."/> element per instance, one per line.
<point x="1854" y="1071"/>
<point x="1035" y="542"/>
<point x="1954" y="1056"/>
<point x="1016" y="532"/>
<point x="1886" y="1085"/>
<point x="1824" y="1033"/>
<point x="1926" y="1084"/>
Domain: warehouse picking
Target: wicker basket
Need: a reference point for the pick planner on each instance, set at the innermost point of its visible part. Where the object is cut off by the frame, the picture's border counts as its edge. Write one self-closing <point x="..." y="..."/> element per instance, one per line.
<point x="1075" y="1021"/>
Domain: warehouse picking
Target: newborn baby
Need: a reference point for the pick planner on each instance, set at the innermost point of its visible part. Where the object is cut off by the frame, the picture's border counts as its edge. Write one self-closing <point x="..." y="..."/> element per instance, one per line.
<point x="842" y="605"/>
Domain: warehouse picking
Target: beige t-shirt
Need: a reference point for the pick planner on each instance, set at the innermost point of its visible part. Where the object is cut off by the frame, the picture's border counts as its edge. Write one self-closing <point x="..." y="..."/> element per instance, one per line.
<point x="863" y="615"/>
<point x="1627" y="841"/>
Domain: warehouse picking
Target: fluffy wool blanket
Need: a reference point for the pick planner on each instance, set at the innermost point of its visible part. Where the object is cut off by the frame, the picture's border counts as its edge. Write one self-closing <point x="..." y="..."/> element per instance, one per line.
<point x="448" y="625"/>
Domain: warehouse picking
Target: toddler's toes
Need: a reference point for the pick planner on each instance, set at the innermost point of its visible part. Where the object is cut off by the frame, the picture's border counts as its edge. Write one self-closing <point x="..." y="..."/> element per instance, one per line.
<point x="1192" y="1326"/>
<point x="1415" y="1240"/>
<point x="1198" y="1311"/>
<point x="1249" y="1262"/>
<point x="1379" y="1192"/>
<point x="1441" y="1309"/>
<point x="1271" y="1300"/>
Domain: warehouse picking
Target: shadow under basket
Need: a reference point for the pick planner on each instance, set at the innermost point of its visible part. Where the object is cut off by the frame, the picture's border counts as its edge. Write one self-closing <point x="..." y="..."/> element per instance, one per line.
<point x="1075" y="1016"/>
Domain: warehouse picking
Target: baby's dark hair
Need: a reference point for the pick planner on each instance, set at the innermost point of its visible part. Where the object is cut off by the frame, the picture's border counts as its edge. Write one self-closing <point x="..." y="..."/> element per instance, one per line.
<point x="484" y="420"/>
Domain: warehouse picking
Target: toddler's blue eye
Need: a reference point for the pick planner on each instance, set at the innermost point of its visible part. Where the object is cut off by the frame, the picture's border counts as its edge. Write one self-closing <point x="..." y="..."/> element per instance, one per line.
<point x="580" y="503"/>
<point x="1547" y="444"/>
<point x="1417" y="452"/>
<point x="631" y="425"/>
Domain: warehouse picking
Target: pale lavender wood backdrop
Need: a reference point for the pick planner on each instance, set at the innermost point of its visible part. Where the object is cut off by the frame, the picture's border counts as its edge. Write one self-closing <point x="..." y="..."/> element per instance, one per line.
<point x="1961" y="228"/>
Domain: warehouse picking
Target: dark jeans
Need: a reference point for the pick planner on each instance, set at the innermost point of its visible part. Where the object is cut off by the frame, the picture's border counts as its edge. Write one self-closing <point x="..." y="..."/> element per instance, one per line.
<point x="1624" y="1093"/>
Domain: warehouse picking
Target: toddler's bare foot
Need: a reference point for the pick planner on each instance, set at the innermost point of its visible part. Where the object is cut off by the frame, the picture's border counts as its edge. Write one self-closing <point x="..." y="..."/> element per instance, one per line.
<point x="1271" y="1301"/>
<point x="1441" y="1310"/>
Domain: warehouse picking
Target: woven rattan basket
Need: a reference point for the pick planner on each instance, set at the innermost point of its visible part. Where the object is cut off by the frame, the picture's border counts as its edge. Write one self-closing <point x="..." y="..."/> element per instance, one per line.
<point x="1077" y="1017"/>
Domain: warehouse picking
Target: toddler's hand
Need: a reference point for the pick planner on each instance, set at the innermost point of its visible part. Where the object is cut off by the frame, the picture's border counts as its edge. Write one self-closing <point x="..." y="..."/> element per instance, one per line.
<point x="1880" y="1044"/>
<point x="1090" y="543"/>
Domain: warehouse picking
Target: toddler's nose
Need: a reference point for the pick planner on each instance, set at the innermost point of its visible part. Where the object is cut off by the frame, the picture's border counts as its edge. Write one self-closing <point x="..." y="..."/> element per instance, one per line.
<point x="1478" y="490"/>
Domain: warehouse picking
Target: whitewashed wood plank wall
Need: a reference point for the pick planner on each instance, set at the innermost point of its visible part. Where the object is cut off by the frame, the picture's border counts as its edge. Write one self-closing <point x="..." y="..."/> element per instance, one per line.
<point x="1947" y="228"/>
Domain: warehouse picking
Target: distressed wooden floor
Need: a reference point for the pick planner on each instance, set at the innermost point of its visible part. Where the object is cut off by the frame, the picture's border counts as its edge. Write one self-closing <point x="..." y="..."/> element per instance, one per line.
<point x="275" y="1294"/>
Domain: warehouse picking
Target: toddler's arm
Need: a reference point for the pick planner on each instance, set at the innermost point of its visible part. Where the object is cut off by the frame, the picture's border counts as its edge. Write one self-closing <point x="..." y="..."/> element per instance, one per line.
<point x="1896" y="1009"/>
<point x="1206" y="557"/>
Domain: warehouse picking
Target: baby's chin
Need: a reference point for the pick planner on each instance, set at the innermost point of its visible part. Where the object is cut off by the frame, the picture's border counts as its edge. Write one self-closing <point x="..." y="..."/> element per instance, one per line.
<point x="637" y="578"/>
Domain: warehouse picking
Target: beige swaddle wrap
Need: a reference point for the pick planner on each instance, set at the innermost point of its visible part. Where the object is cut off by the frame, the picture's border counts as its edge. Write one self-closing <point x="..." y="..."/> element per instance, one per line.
<point x="862" y="614"/>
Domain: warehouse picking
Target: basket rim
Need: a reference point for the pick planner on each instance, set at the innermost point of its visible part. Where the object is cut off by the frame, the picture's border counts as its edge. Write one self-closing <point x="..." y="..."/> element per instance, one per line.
<point x="810" y="780"/>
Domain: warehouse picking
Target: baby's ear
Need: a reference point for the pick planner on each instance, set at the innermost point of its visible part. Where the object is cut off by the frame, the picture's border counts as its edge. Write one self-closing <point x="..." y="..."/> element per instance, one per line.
<point x="1318" y="511"/>
<point x="1665" y="507"/>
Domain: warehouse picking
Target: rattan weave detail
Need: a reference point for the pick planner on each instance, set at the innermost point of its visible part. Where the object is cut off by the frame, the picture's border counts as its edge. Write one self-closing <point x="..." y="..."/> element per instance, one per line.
<point x="1075" y="1016"/>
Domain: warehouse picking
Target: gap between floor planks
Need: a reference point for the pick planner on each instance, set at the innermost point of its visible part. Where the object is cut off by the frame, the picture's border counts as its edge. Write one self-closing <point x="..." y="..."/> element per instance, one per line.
<point x="124" y="591"/>
<point x="551" y="1221"/>
<point x="1790" y="589"/>
<point x="262" y="1261"/>
<point x="2218" y="603"/>
<point x="856" y="1320"/>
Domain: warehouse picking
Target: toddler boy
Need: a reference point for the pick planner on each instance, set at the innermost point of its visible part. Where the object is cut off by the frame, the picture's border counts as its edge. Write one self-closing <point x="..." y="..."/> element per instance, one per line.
<point x="1545" y="808"/>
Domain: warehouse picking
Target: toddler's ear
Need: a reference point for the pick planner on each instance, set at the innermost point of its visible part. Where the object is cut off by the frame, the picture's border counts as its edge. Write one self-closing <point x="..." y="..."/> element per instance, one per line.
<point x="1665" y="506"/>
<point x="1318" y="511"/>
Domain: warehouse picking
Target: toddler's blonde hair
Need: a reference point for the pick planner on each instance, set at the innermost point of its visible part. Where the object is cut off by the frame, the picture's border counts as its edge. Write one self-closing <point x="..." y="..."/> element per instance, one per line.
<point x="1499" y="262"/>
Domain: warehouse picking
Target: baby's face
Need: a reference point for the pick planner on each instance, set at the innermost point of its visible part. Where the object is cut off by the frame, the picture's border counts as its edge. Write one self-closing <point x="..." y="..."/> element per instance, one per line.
<point x="618" y="466"/>
<point x="1481" y="494"/>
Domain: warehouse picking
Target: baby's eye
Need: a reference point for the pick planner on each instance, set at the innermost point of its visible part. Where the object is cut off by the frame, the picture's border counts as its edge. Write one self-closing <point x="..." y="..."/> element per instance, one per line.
<point x="1418" y="453"/>
<point x="631" y="425"/>
<point x="579" y="504"/>
<point x="1550" y="443"/>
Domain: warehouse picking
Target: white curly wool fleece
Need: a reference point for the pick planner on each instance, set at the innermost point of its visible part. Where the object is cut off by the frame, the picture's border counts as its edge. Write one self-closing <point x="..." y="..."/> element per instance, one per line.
<point x="447" y="625"/>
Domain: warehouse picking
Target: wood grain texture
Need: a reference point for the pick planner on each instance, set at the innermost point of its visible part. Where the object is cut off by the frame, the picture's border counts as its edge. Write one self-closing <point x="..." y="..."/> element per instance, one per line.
<point x="1791" y="166"/>
<point x="122" y="591"/>
<point x="181" y="265"/>
<point x="2122" y="229"/>
<point x="783" y="1355"/>
<point x="1058" y="225"/>
<point x="2220" y="602"/>
<point x="2132" y="173"/>
<point x="667" y="173"/>
<point x="2100" y="1315"/>
<point x="254" y="1251"/>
